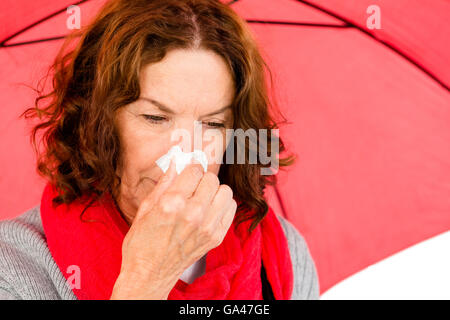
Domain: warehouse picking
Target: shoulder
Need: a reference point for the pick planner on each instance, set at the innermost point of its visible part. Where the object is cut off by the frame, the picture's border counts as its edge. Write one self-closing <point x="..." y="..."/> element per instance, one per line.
<point x="27" y="269"/>
<point x="306" y="281"/>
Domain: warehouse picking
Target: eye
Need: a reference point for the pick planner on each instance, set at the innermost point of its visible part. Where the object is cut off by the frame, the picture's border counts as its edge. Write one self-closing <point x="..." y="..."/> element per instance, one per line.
<point x="154" y="119"/>
<point x="158" y="119"/>
<point x="216" y="124"/>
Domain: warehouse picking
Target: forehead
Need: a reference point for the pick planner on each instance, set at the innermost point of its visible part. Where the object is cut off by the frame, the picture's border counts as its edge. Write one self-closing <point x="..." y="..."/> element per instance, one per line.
<point x="189" y="81"/>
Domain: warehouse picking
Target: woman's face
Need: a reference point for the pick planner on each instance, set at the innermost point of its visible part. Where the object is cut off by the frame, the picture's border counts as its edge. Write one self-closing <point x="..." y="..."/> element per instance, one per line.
<point x="187" y="85"/>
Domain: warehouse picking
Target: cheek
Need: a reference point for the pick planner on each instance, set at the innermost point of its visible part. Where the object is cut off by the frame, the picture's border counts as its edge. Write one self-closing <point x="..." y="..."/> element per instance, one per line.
<point x="140" y="150"/>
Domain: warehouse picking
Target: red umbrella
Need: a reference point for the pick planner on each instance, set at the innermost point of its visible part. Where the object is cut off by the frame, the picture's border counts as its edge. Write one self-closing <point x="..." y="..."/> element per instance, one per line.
<point x="369" y="110"/>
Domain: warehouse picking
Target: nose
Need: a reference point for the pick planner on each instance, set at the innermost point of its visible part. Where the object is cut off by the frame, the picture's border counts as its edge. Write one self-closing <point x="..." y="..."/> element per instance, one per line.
<point x="188" y="136"/>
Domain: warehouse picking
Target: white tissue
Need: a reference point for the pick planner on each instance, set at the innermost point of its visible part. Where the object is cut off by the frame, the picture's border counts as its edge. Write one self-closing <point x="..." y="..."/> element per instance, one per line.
<point x="182" y="159"/>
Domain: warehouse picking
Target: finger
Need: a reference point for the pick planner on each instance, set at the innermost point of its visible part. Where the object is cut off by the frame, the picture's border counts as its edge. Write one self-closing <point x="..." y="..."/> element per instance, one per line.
<point x="186" y="183"/>
<point x="206" y="189"/>
<point x="223" y="224"/>
<point x="227" y="219"/>
<point x="219" y="205"/>
<point x="163" y="183"/>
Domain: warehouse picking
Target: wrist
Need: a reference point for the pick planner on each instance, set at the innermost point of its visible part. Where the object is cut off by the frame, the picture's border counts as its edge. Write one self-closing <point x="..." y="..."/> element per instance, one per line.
<point x="131" y="285"/>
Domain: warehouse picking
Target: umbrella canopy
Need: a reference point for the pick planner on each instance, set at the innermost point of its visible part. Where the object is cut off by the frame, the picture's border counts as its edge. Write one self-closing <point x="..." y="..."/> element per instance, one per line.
<point x="369" y="112"/>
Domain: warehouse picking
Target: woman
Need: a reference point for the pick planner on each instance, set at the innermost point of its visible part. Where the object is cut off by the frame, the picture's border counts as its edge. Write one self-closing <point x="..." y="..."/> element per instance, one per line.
<point x="111" y="223"/>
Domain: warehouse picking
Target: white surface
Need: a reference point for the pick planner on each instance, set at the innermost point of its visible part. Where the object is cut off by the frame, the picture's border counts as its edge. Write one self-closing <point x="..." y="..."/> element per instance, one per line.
<point x="194" y="271"/>
<point x="418" y="272"/>
<point x="182" y="159"/>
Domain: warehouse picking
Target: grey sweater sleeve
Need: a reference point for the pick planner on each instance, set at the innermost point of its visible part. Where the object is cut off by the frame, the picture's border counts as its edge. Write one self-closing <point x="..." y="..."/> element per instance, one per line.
<point x="6" y="295"/>
<point x="306" y="281"/>
<point x="7" y="292"/>
<point x="27" y="269"/>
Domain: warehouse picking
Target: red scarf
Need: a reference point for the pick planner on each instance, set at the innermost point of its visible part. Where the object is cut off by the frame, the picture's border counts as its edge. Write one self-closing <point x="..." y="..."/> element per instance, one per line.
<point x="232" y="269"/>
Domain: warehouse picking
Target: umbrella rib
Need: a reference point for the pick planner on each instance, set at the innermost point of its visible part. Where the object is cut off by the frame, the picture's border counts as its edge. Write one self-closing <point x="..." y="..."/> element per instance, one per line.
<point x="351" y="24"/>
<point x="3" y="42"/>
<point x="32" y="41"/>
<point x="303" y="24"/>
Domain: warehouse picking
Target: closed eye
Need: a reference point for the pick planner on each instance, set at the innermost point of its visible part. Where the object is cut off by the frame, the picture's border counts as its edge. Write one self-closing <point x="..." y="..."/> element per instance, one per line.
<point x="158" y="119"/>
<point x="154" y="119"/>
<point x="216" y="124"/>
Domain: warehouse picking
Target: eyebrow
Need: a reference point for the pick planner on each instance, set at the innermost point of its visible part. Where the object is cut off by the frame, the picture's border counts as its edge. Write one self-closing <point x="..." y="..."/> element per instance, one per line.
<point x="164" y="108"/>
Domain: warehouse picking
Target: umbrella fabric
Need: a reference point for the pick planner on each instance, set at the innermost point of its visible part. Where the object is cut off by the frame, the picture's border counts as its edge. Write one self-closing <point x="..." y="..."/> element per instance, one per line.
<point x="369" y="113"/>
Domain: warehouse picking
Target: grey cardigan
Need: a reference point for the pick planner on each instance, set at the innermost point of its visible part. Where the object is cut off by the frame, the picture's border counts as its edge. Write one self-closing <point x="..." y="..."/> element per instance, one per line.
<point x="28" y="271"/>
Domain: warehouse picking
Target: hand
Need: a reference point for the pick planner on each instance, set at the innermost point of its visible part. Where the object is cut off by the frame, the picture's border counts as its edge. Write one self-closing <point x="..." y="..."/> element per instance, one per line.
<point x="183" y="218"/>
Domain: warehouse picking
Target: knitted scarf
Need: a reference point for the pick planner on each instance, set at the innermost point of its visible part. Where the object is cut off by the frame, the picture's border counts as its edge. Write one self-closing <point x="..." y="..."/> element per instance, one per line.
<point x="88" y="252"/>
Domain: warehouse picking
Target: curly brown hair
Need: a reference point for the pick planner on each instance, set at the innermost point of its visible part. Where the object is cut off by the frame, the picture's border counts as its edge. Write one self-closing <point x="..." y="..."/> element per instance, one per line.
<point x="100" y="74"/>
